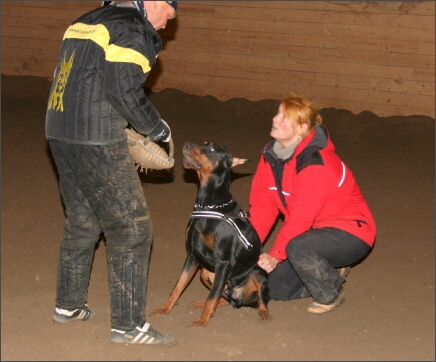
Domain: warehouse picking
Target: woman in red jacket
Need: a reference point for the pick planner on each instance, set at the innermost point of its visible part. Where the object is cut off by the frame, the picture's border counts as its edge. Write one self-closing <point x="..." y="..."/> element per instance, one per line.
<point x="327" y="225"/>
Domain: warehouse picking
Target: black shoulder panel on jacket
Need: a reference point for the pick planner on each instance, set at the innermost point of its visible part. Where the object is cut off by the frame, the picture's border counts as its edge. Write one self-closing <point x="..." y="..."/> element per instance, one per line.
<point x="309" y="159"/>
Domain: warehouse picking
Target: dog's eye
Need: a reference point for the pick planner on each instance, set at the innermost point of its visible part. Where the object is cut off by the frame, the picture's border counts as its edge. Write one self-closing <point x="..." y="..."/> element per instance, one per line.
<point x="209" y="147"/>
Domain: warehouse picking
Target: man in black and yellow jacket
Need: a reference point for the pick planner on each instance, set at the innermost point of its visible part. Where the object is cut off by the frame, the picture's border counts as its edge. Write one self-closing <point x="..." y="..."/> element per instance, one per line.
<point x="105" y="57"/>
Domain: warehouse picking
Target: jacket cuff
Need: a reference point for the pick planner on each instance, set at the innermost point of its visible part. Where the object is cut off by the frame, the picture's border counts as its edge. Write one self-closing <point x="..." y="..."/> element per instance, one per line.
<point x="277" y="255"/>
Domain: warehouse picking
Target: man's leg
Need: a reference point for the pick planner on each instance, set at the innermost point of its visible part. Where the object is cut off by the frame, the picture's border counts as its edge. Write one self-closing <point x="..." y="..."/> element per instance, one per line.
<point x="120" y="205"/>
<point x="81" y="233"/>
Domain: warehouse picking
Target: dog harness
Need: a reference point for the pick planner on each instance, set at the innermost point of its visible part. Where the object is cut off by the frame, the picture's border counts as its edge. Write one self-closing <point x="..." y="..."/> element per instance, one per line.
<point x="228" y="220"/>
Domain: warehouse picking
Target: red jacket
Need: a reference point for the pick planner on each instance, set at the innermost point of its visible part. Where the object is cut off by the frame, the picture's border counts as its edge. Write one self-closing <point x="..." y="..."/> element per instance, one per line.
<point x="311" y="189"/>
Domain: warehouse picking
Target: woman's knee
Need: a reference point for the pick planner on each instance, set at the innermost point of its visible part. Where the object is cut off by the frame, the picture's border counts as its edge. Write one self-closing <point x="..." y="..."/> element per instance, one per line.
<point x="294" y="248"/>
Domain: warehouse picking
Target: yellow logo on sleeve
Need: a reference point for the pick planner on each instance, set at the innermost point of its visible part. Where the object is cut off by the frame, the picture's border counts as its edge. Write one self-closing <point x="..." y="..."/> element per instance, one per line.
<point x="56" y="99"/>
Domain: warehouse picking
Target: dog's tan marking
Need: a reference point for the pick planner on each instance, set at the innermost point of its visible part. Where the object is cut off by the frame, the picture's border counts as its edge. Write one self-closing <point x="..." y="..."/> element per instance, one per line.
<point x="253" y="286"/>
<point x="184" y="280"/>
<point x="207" y="278"/>
<point x="206" y="169"/>
<point x="209" y="240"/>
<point x="209" y="309"/>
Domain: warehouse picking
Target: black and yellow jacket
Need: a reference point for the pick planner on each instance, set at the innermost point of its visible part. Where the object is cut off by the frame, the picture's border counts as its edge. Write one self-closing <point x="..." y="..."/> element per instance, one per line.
<point x="104" y="59"/>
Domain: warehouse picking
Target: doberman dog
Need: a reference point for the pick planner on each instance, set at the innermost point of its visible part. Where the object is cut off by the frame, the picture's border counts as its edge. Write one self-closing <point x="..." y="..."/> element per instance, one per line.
<point x="220" y="240"/>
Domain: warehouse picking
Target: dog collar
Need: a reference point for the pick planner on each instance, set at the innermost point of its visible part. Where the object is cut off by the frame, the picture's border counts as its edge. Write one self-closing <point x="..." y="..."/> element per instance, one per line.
<point x="212" y="207"/>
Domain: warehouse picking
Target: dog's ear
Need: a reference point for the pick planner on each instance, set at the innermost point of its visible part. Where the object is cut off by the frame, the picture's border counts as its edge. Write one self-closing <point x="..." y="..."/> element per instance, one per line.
<point x="239" y="161"/>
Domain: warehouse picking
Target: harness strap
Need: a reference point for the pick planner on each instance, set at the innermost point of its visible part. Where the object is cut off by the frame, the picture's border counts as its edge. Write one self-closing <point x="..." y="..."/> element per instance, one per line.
<point x="228" y="220"/>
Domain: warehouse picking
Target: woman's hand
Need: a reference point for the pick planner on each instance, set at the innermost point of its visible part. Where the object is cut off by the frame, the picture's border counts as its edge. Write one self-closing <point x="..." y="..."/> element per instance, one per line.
<point x="267" y="262"/>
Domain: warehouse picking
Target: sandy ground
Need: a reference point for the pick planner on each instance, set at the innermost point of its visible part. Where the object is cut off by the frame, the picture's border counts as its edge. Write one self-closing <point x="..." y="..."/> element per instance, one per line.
<point x="389" y="313"/>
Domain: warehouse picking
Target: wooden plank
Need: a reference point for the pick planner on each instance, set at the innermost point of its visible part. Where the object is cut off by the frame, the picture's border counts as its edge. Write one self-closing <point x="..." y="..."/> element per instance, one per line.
<point x="387" y="7"/>
<point x="32" y="34"/>
<point x="351" y="82"/>
<point x="210" y="61"/>
<point x="335" y="96"/>
<point x="314" y="14"/>
<point x="243" y="42"/>
<point x="359" y="100"/>
<point x="84" y="5"/>
<point x="298" y="27"/>
<point x="16" y="45"/>
<point x="26" y="54"/>
<point x="19" y="22"/>
<point x="384" y="57"/>
<point x="247" y="88"/>
<point x="34" y="9"/>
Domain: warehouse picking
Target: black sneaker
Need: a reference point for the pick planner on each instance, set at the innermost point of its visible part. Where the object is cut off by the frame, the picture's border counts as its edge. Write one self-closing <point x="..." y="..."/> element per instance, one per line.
<point x="143" y="335"/>
<point x="64" y="315"/>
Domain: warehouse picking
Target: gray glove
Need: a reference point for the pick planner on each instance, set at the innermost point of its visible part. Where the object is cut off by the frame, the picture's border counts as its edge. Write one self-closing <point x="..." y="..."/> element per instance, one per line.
<point x="162" y="133"/>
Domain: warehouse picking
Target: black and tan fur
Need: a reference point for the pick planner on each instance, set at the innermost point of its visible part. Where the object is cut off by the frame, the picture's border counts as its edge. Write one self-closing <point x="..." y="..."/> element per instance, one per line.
<point x="228" y="264"/>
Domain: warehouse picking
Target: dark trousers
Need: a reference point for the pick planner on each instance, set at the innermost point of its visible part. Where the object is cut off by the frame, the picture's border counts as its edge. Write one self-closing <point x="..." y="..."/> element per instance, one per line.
<point x="102" y="192"/>
<point x="310" y="269"/>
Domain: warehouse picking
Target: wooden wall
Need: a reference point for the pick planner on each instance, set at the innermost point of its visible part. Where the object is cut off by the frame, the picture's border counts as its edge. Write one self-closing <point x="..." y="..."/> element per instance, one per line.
<point x="377" y="56"/>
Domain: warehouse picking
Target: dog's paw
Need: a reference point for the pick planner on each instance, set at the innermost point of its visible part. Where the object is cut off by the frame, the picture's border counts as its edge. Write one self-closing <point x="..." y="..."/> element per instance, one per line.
<point x="197" y="304"/>
<point x="199" y="323"/>
<point x="264" y="316"/>
<point x="161" y="310"/>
